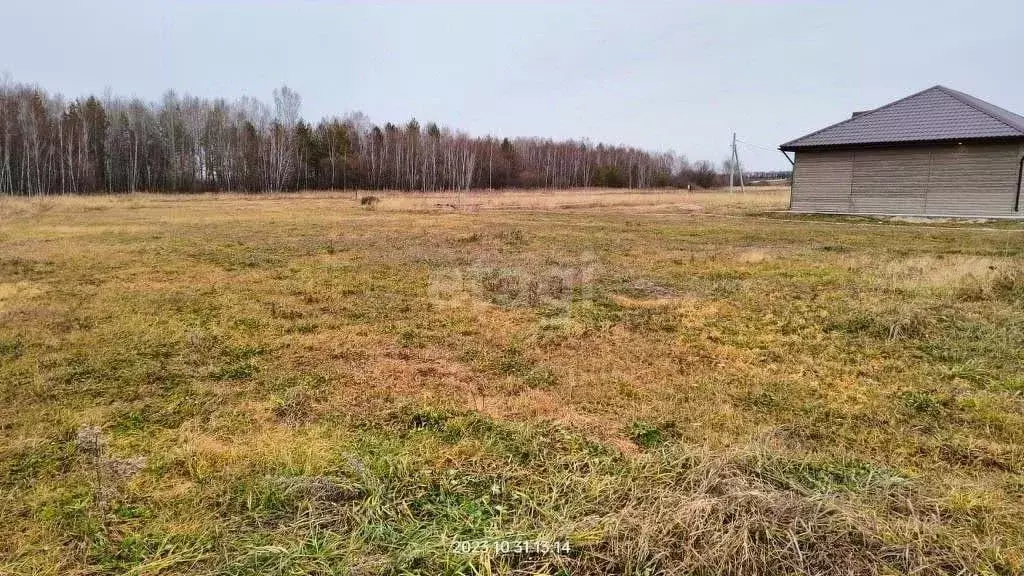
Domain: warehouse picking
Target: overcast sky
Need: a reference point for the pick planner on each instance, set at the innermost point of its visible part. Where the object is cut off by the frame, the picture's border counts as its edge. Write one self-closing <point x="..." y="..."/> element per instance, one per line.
<point x="664" y="76"/>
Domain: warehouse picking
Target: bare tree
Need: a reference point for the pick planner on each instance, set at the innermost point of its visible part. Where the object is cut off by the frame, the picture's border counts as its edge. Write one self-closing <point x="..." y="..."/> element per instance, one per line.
<point x="185" y="143"/>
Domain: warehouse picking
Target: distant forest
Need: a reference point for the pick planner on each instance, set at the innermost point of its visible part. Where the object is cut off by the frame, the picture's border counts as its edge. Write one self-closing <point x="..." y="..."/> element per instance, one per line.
<point x="49" y="145"/>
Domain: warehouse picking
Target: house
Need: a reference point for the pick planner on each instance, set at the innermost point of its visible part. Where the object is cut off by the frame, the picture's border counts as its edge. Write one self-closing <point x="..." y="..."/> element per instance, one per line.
<point x="935" y="153"/>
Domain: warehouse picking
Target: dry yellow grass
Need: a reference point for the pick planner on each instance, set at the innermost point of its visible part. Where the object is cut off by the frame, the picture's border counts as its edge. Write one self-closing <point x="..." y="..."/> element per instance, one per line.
<point x="754" y="199"/>
<point x="948" y="271"/>
<point x="672" y="382"/>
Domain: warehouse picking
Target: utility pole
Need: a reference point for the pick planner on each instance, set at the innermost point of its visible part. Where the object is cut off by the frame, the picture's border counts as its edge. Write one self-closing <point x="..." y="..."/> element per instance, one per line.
<point x="735" y="167"/>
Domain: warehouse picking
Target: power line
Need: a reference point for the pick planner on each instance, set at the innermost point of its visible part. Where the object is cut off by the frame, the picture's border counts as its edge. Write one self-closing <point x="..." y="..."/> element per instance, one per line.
<point x="756" y="145"/>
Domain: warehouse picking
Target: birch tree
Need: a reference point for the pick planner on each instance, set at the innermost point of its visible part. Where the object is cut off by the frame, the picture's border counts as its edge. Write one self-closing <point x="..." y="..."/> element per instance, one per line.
<point x="51" y="145"/>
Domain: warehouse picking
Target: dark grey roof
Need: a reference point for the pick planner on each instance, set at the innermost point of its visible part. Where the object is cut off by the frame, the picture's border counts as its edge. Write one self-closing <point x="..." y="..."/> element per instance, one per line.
<point x="935" y="114"/>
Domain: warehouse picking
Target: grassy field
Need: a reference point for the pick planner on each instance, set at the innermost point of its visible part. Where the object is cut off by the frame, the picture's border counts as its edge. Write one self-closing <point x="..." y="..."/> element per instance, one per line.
<point x="662" y="383"/>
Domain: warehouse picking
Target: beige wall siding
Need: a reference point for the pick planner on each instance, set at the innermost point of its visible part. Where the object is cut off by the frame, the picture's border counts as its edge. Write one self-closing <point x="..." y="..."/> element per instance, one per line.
<point x="821" y="182"/>
<point x="974" y="179"/>
<point x="890" y="180"/>
<point x="965" y="180"/>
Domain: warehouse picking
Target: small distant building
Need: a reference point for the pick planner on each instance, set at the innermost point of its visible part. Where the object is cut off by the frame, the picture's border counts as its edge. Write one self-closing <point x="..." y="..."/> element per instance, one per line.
<point x="935" y="153"/>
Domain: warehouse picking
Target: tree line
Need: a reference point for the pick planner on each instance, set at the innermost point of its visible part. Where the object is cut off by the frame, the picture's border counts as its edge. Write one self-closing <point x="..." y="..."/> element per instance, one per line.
<point x="109" y="144"/>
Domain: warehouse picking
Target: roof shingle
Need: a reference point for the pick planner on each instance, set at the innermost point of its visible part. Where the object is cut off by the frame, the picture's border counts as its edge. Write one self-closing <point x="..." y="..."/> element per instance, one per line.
<point x="935" y="114"/>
